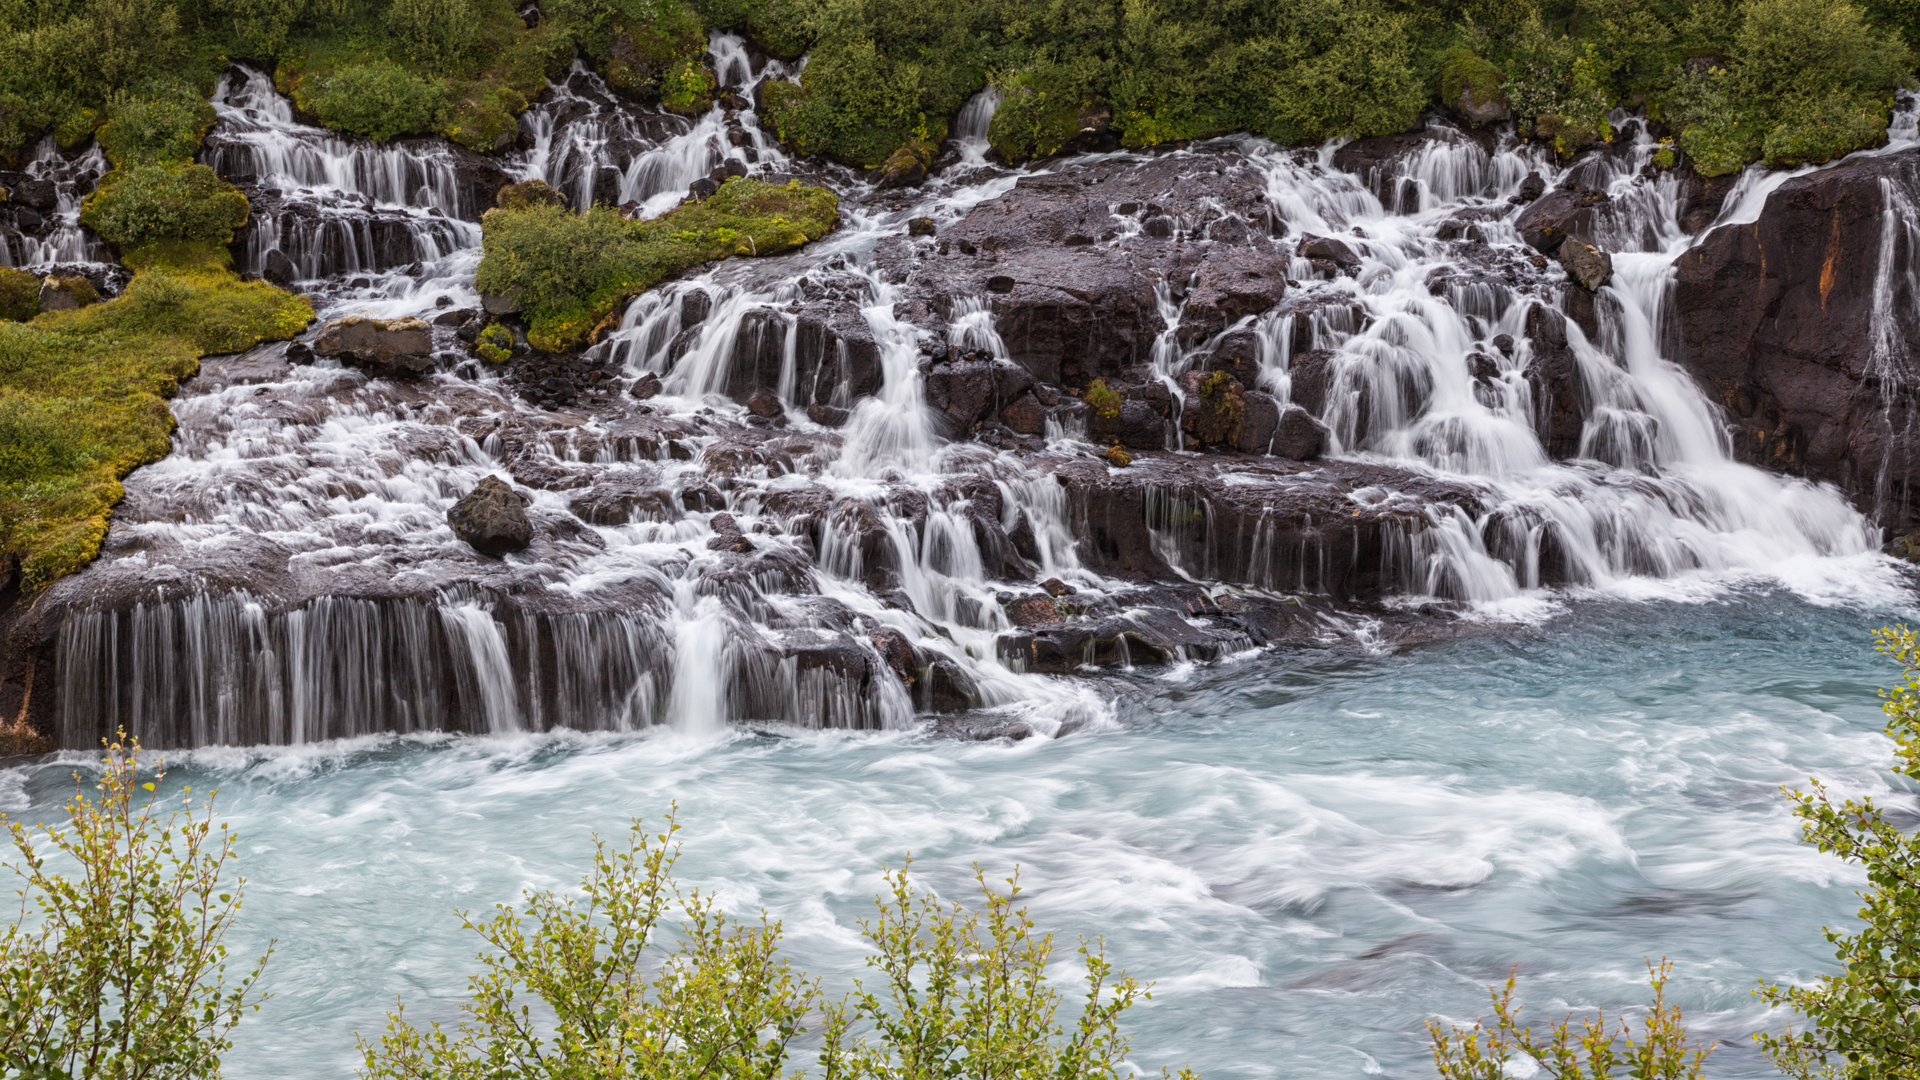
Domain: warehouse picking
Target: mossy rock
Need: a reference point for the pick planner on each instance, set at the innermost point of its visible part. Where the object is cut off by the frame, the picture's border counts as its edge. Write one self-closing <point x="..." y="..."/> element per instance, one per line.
<point x="19" y="295"/>
<point x="67" y="292"/>
<point x="570" y="271"/>
<point x="495" y="344"/>
<point x="528" y="193"/>
<point x="908" y="165"/>
<point x="1216" y="409"/>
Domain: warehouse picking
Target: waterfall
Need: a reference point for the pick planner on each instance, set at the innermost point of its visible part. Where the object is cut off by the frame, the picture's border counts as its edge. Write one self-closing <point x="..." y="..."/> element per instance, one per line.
<point x="789" y="531"/>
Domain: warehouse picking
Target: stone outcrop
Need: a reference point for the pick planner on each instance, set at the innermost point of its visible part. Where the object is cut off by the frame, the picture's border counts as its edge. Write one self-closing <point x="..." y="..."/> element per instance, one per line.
<point x="1799" y="324"/>
<point x="382" y="347"/>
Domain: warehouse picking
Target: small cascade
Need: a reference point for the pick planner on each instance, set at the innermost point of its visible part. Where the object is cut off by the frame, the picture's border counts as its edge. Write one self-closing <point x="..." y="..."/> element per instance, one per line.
<point x="325" y="206"/>
<point x="41" y="228"/>
<point x="970" y="127"/>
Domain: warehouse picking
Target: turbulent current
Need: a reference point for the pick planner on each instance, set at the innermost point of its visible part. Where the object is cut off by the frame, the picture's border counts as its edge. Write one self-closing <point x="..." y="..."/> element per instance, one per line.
<point x="1310" y="854"/>
<point x="1502" y="666"/>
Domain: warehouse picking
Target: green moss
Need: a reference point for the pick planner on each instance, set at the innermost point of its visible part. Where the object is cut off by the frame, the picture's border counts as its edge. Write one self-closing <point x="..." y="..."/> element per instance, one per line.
<point x="82" y="394"/>
<point x="75" y="128"/>
<point x="1217" y="414"/>
<point x="1462" y="71"/>
<point x="1102" y="400"/>
<point x="146" y="204"/>
<point x="571" y="271"/>
<point x="19" y="295"/>
<point x="495" y="344"/>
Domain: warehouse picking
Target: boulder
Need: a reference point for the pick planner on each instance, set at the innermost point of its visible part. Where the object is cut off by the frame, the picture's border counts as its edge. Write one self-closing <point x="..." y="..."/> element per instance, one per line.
<point x="1557" y="215"/>
<point x="907" y="166"/>
<point x="1298" y="435"/>
<point x="507" y="303"/>
<point x="1329" y="255"/>
<point x="1025" y="415"/>
<point x="1135" y="424"/>
<point x="277" y="268"/>
<point x="66" y="293"/>
<point x="1215" y="409"/>
<point x="920" y="226"/>
<point x="646" y="386"/>
<point x="1586" y="264"/>
<point x="492" y="518"/>
<point x="1481" y="113"/>
<point x="381" y="347"/>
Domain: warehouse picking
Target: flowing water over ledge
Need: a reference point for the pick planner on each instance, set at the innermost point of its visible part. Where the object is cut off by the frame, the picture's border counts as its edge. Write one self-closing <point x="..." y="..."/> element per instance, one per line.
<point x="1310" y="852"/>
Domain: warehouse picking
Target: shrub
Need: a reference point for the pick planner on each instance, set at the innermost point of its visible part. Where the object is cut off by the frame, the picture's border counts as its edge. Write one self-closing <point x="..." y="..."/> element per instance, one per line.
<point x="432" y="31"/>
<point x="1819" y="129"/>
<point x="1592" y="1051"/>
<point x="1715" y="133"/>
<point x="1345" y="69"/>
<point x="19" y="295"/>
<point x="146" y="204"/>
<point x="1039" y="112"/>
<point x="161" y="125"/>
<point x="961" y="986"/>
<point x="380" y="99"/>
<point x="1462" y="71"/>
<point x="1808" y="48"/>
<point x="1864" y="1022"/>
<point x="1102" y="400"/>
<point x="75" y="128"/>
<point x="123" y="973"/>
<point x="615" y="1003"/>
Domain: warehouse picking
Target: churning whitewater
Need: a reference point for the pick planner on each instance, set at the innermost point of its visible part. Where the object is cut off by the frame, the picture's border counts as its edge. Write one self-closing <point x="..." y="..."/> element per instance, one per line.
<point x="842" y="557"/>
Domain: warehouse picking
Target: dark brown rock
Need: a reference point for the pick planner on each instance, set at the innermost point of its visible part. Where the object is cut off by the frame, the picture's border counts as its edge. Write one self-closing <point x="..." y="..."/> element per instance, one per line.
<point x="1298" y="435"/>
<point x="1557" y="215"/>
<point x="1587" y="265"/>
<point x="383" y="348"/>
<point x="492" y="518"/>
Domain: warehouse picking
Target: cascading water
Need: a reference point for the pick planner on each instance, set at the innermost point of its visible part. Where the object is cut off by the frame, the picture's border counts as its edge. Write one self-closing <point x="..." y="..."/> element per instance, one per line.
<point x="807" y="525"/>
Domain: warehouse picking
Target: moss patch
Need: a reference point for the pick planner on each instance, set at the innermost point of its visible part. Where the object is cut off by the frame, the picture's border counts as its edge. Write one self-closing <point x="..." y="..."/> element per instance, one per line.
<point x="570" y="271"/>
<point x="19" y="295"/>
<point x="1102" y="400"/>
<point x="83" y="394"/>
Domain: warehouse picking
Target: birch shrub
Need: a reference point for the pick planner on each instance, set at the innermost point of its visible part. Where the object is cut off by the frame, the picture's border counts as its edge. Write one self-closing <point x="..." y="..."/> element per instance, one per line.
<point x="118" y="971"/>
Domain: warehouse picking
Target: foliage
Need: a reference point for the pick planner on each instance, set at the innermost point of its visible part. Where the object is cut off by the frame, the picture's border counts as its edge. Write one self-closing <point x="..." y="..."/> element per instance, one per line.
<point x="495" y="344"/>
<point x="162" y="125"/>
<point x="1715" y="132"/>
<point x="1592" y="1050"/>
<point x="92" y="383"/>
<point x="1101" y="399"/>
<point x="19" y="295"/>
<point x="1462" y="71"/>
<point x="433" y="31"/>
<point x="145" y="204"/>
<point x="570" y="271"/>
<point x="120" y="971"/>
<point x="1864" y="1023"/>
<point x="1039" y="111"/>
<point x="965" y="993"/>
<point x="380" y="99"/>
<point x="614" y="1003"/>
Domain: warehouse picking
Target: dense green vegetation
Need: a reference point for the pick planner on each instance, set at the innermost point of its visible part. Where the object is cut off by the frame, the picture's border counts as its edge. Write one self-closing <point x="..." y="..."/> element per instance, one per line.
<point x="1786" y="81"/>
<point x="83" y="394"/>
<point x="570" y="271"/>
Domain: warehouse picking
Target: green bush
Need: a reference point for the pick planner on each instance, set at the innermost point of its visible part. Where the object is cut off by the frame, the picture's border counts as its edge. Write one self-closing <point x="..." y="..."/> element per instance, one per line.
<point x="19" y="295"/>
<point x="1819" y="129"/>
<point x="121" y="970"/>
<point x="1344" y="69"/>
<point x="146" y="204"/>
<point x="1039" y="113"/>
<point x="431" y="31"/>
<point x="163" y="124"/>
<point x="75" y="128"/>
<point x="1463" y="71"/>
<point x="380" y="100"/>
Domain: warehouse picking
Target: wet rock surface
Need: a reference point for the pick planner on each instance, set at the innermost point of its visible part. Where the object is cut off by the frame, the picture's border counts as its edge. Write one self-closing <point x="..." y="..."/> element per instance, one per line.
<point x="1003" y="427"/>
<point x="1799" y="325"/>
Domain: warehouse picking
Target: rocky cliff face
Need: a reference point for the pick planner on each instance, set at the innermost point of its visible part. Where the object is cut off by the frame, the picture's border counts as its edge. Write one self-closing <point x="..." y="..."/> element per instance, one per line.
<point x="1799" y="324"/>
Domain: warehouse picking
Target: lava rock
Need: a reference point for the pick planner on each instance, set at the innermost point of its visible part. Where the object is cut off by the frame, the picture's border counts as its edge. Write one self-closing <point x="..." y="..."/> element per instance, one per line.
<point x="1557" y="215"/>
<point x="299" y="352"/>
<point x="381" y="347"/>
<point x="1587" y="265"/>
<point x="646" y="386"/>
<point x="492" y="518"/>
<point x="1136" y="425"/>
<point x="766" y="405"/>
<point x="906" y="167"/>
<point x="507" y="303"/>
<point x="67" y="293"/>
<point x="1298" y="435"/>
<point x="920" y="226"/>
<point x="277" y="268"/>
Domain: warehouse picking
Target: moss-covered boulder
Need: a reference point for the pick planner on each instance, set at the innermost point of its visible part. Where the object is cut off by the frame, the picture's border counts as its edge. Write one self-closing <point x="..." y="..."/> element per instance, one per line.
<point x="66" y="292"/>
<point x="908" y="165"/>
<point x="568" y="272"/>
<point x="644" y="60"/>
<point x="1471" y="86"/>
<point x="19" y="295"/>
<point x="526" y="194"/>
<point x="1215" y="408"/>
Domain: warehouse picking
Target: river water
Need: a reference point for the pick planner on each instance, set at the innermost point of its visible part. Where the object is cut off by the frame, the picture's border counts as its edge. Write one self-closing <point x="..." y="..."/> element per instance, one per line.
<point x="1309" y="853"/>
